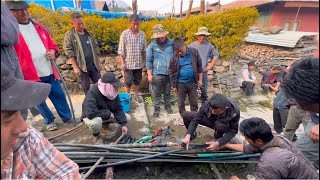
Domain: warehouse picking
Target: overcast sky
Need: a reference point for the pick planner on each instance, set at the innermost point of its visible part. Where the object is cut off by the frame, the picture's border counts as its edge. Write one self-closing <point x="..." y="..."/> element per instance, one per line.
<point x="164" y="6"/>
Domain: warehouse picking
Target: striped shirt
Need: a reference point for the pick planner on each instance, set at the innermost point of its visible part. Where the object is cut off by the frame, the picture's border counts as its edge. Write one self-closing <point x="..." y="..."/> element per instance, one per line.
<point x="132" y="48"/>
<point x="34" y="157"/>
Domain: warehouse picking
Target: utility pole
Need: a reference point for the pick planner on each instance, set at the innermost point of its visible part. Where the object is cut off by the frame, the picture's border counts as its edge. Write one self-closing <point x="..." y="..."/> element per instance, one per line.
<point x="218" y="6"/>
<point x="181" y="4"/>
<point x="206" y="8"/>
<point x="202" y="2"/>
<point x="134" y="6"/>
<point x="190" y="7"/>
<point x="173" y="9"/>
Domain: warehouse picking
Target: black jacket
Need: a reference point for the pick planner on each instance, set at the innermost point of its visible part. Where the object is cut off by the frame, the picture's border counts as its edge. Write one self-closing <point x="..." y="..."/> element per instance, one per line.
<point x="231" y="116"/>
<point x="174" y="66"/>
<point x="96" y="104"/>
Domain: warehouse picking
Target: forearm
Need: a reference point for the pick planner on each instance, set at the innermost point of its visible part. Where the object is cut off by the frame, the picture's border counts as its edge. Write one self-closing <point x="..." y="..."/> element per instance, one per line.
<point x="235" y="147"/>
<point x="213" y="62"/>
<point x="121" y="59"/>
<point x="149" y="72"/>
<point x="200" y="77"/>
<point x="73" y="62"/>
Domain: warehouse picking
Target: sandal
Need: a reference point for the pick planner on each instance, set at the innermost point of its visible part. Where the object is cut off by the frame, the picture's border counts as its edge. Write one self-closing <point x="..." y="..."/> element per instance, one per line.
<point x="52" y="126"/>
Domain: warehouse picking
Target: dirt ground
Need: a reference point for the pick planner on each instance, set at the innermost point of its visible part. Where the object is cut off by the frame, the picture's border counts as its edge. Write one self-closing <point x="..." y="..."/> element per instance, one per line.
<point x="143" y="123"/>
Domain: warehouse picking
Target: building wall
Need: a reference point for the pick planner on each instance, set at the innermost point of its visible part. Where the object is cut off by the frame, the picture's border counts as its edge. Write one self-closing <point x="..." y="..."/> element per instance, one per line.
<point x="307" y="19"/>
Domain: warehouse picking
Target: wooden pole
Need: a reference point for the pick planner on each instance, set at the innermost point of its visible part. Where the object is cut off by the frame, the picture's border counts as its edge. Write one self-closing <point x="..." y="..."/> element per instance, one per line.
<point x="190" y="8"/>
<point x="134" y="6"/>
<point x="202" y="3"/>
<point x="181" y="4"/>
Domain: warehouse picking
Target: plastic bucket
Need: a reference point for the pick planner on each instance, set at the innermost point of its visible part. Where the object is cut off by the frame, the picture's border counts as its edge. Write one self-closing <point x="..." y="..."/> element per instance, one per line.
<point x="125" y="100"/>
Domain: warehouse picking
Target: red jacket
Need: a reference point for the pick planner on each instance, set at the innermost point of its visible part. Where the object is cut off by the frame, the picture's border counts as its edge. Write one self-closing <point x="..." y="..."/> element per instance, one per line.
<point x="24" y="55"/>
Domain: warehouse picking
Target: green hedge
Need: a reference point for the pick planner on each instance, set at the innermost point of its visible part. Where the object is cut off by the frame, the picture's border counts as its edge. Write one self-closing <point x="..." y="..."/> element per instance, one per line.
<point x="228" y="28"/>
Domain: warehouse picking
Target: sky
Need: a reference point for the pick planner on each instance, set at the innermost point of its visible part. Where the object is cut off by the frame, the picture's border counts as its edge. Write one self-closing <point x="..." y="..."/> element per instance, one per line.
<point x="165" y="6"/>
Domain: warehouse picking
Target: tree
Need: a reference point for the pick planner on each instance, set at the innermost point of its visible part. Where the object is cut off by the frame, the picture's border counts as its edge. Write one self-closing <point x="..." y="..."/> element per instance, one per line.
<point x="190" y="7"/>
<point x="134" y="6"/>
<point x="181" y="4"/>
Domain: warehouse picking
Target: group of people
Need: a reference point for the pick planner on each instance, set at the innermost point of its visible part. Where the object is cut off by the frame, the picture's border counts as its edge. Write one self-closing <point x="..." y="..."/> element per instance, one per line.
<point x="26" y="52"/>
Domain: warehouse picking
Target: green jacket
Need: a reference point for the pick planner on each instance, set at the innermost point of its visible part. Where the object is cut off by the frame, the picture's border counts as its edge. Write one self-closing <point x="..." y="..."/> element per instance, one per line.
<point x="72" y="48"/>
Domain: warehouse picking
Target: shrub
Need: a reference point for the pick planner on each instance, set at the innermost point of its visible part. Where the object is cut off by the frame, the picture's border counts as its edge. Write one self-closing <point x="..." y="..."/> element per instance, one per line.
<point x="228" y="28"/>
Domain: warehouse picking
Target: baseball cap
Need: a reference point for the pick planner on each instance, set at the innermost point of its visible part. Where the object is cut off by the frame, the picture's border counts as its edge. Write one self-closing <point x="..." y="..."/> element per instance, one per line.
<point x="111" y="78"/>
<point x="252" y="63"/>
<point x="18" y="94"/>
<point x="16" y="4"/>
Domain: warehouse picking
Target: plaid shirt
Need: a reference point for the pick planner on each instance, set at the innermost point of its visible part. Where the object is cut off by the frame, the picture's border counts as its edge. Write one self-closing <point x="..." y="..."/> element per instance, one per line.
<point x="132" y="48"/>
<point x="34" y="157"/>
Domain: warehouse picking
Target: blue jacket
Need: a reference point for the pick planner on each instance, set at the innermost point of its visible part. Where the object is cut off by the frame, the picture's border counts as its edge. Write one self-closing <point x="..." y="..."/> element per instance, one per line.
<point x="157" y="59"/>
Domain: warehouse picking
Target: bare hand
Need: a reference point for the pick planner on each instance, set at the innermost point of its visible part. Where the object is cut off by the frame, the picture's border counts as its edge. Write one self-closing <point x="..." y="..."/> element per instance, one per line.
<point x="150" y="78"/>
<point x="50" y="55"/>
<point x="314" y="133"/>
<point x="213" y="146"/>
<point x="76" y="71"/>
<point x="123" y="66"/>
<point x="174" y="90"/>
<point x="234" y="178"/>
<point x="186" y="141"/>
<point x="111" y="116"/>
<point x="200" y="84"/>
<point x="124" y="129"/>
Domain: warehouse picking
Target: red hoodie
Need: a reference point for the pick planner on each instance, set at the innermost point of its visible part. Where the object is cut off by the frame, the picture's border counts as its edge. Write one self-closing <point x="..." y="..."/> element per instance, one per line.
<point x="24" y="55"/>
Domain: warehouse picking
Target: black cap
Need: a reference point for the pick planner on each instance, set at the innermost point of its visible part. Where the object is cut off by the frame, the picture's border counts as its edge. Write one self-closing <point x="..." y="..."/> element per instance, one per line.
<point x="17" y="94"/>
<point x="111" y="78"/>
<point x="252" y="63"/>
<point x="16" y="4"/>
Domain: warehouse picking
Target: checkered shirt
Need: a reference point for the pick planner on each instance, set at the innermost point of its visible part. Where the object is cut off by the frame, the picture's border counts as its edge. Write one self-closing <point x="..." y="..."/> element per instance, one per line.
<point x="132" y="48"/>
<point x="34" y="157"/>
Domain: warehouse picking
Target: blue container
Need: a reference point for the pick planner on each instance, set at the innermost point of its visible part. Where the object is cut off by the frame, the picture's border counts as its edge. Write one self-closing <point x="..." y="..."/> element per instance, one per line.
<point x="125" y="100"/>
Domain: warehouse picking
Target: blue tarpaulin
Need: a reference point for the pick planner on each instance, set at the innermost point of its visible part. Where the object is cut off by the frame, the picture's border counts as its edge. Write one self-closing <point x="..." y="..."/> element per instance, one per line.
<point x="87" y="6"/>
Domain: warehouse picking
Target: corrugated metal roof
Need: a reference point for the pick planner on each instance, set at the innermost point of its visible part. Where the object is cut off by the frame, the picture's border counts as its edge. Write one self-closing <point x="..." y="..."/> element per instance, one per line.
<point x="245" y="3"/>
<point x="284" y="38"/>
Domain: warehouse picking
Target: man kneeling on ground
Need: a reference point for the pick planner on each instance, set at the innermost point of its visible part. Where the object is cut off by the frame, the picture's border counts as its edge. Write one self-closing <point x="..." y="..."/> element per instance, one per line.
<point x="102" y="104"/>
<point x="280" y="159"/>
<point x="220" y="114"/>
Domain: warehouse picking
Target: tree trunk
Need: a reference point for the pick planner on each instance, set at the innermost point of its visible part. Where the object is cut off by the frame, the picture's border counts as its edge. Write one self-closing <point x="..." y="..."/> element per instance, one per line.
<point x="134" y="6"/>
<point x="218" y="6"/>
<point x="181" y="4"/>
<point x="190" y="7"/>
<point x="202" y="3"/>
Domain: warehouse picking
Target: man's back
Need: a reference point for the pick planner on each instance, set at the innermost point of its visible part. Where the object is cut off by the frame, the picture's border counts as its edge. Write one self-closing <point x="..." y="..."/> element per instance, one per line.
<point x="283" y="161"/>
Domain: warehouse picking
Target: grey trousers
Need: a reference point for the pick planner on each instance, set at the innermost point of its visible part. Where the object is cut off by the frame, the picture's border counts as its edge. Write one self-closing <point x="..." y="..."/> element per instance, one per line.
<point x="296" y="116"/>
<point x="308" y="147"/>
<point x="161" y="83"/>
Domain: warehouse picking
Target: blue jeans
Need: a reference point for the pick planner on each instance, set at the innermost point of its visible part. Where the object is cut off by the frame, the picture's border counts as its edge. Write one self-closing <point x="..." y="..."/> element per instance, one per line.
<point x="204" y="94"/>
<point x="57" y="98"/>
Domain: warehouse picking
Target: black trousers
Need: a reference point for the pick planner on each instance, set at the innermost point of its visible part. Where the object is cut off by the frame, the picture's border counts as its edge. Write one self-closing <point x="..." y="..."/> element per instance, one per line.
<point x="280" y="117"/>
<point x="85" y="77"/>
<point x="248" y="86"/>
<point x="189" y="89"/>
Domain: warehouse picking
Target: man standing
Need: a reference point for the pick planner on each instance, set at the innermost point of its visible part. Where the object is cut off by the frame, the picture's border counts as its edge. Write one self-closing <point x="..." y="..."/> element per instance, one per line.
<point x="279" y="159"/>
<point x="82" y="50"/>
<point x="35" y="50"/>
<point x="25" y="153"/>
<point x="209" y="55"/>
<point x="247" y="79"/>
<point x="102" y="103"/>
<point x="220" y="114"/>
<point x="159" y="53"/>
<point x="185" y="71"/>
<point x="302" y="84"/>
<point x="132" y="55"/>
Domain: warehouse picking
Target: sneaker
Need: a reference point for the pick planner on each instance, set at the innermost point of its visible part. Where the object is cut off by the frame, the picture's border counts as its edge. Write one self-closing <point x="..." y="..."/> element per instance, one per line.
<point x="169" y="110"/>
<point x="156" y="113"/>
<point x="138" y="99"/>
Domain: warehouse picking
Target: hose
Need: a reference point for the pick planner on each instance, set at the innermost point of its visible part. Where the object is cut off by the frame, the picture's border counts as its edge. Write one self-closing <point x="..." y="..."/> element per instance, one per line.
<point x="133" y="160"/>
<point x="66" y="89"/>
<point x="61" y="134"/>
